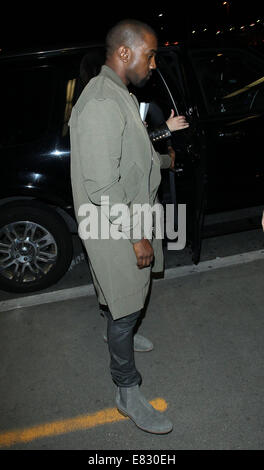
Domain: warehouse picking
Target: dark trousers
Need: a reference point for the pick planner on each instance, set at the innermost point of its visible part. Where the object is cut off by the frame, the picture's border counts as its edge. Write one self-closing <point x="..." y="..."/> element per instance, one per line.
<point x="120" y="335"/>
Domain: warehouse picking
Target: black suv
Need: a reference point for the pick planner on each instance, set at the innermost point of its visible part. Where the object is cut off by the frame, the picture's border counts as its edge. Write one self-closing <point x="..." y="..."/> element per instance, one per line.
<point x="219" y="158"/>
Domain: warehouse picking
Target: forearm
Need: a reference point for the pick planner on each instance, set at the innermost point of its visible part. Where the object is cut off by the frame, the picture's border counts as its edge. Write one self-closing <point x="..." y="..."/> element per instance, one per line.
<point x="161" y="132"/>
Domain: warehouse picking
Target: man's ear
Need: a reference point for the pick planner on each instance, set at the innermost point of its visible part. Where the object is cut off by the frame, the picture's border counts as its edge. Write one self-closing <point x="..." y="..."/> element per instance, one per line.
<point x="124" y="53"/>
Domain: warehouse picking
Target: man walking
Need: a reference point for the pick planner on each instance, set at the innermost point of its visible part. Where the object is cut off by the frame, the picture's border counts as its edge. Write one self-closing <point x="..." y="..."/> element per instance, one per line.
<point x="113" y="162"/>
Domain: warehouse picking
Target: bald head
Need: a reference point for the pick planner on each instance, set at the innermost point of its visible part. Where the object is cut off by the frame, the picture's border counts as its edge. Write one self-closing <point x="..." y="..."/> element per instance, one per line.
<point x="128" y="33"/>
<point x="131" y="50"/>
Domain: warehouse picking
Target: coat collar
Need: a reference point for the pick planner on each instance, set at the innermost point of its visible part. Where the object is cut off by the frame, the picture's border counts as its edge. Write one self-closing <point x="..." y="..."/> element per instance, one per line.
<point x="131" y="99"/>
<point x="110" y="73"/>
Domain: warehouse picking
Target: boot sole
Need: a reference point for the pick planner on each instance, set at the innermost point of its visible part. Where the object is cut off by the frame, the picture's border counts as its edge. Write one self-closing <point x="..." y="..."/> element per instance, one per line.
<point x="140" y="427"/>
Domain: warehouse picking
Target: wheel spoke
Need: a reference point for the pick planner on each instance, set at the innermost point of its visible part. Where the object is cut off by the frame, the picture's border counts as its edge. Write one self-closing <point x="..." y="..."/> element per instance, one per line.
<point x="19" y="272"/>
<point x="3" y="268"/>
<point x="39" y="270"/>
<point x="14" y="232"/>
<point x="45" y="241"/>
<point x="4" y="250"/>
<point x="46" y="257"/>
<point x="30" y="229"/>
<point x="3" y="260"/>
<point x="33" y="271"/>
<point x="8" y="234"/>
<point x="4" y="246"/>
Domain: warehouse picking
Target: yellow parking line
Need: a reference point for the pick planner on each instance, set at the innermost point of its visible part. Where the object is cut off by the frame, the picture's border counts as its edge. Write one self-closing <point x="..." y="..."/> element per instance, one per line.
<point x="108" y="415"/>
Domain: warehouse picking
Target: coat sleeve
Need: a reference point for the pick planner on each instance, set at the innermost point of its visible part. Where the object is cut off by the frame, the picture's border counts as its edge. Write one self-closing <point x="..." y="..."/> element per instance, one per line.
<point x="100" y="130"/>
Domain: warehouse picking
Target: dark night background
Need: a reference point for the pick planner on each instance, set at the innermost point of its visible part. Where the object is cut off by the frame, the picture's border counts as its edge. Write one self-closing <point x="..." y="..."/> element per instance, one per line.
<point x="37" y="25"/>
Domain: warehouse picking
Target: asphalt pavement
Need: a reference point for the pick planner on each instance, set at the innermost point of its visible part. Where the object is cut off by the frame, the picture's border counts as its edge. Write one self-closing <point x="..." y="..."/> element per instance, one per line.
<point x="206" y="368"/>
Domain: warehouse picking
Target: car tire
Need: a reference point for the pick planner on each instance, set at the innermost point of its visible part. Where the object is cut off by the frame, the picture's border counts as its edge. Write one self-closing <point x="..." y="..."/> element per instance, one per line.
<point x="35" y="247"/>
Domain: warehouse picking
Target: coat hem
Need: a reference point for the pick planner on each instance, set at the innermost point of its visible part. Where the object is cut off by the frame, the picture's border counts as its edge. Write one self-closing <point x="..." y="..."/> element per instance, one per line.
<point x="124" y="306"/>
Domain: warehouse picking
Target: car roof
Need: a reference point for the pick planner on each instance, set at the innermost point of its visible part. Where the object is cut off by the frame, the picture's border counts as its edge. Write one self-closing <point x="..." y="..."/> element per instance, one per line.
<point x="48" y="51"/>
<point x="69" y="49"/>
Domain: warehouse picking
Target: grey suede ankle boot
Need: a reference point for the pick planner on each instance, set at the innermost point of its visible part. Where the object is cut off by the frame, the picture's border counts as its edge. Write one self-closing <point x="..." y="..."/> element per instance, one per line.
<point x="130" y="402"/>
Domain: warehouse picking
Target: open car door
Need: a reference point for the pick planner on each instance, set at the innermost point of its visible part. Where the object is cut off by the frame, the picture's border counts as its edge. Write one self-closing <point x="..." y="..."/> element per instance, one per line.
<point x="186" y="184"/>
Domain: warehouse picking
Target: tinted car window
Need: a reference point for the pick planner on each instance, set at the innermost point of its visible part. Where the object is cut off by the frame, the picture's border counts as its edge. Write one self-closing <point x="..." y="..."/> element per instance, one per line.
<point x="172" y="68"/>
<point x="26" y="104"/>
<point x="75" y="77"/>
<point x="165" y="88"/>
<point x="231" y="82"/>
<point x="157" y="95"/>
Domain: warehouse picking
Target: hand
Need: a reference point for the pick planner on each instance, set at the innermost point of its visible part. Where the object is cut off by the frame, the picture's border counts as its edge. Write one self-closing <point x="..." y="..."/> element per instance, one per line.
<point x="144" y="253"/>
<point x="172" y="154"/>
<point x="176" y="123"/>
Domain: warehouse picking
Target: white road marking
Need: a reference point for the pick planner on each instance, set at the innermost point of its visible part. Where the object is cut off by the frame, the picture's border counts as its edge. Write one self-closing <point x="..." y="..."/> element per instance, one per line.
<point x="171" y="273"/>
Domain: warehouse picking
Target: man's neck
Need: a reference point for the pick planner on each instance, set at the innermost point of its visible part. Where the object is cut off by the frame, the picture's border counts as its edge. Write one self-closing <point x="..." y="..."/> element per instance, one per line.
<point x="118" y="70"/>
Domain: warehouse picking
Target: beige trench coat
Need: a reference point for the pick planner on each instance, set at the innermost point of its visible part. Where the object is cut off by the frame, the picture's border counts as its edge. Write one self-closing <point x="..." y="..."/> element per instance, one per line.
<point x="111" y="155"/>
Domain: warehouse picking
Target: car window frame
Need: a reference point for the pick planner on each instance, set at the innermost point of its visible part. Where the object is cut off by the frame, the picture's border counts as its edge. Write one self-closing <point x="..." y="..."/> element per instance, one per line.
<point x="14" y="66"/>
<point x="217" y="49"/>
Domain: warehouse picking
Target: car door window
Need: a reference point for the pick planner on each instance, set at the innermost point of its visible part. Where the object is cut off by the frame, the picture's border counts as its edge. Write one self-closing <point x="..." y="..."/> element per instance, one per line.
<point x="75" y="77"/>
<point x="230" y="81"/>
<point x="154" y="93"/>
<point x="170" y="63"/>
<point x="163" y="92"/>
<point x="26" y="104"/>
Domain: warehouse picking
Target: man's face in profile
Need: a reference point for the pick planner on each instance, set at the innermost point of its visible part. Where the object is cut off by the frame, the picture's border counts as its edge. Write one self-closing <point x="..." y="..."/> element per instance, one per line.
<point x="142" y="61"/>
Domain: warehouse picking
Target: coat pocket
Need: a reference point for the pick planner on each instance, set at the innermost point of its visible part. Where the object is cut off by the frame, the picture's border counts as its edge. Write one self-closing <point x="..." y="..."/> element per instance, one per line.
<point x="132" y="181"/>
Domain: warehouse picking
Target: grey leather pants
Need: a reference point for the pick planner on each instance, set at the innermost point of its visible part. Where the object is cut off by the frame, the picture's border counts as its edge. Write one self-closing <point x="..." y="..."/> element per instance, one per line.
<point x="120" y="335"/>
